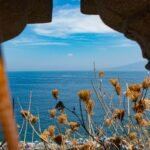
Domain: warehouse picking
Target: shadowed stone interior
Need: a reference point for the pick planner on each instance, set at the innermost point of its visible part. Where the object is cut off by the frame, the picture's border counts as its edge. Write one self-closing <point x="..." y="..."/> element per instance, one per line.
<point x="15" y="14"/>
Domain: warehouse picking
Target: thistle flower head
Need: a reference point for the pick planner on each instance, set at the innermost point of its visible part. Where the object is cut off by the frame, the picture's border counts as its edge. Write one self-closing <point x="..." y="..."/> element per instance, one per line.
<point x="52" y="113"/>
<point x="139" y="107"/>
<point x="146" y="123"/>
<point x="60" y="139"/>
<point x="74" y="126"/>
<point x="51" y="130"/>
<point x="55" y="93"/>
<point x="116" y="141"/>
<point x="116" y="85"/>
<point x="46" y="133"/>
<point x="135" y="87"/>
<point x="132" y="135"/>
<point x="114" y="82"/>
<point x="60" y="106"/>
<point x="108" y="122"/>
<point x="25" y="113"/>
<point x="139" y="118"/>
<point x="44" y="136"/>
<point x="146" y="103"/>
<point x="62" y="119"/>
<point x="68" y="132"/>
<point x="90" y="106"/>
<point x="74" y="141"/>
<point x="88" y="146"/>
<point x="118" y="89"/>
<point x="84" y="95"/>
<point x="101" y="73"/>
<point x="119" y="113"/>
<point x="33" y="119"/>
<point x="133" y="95"/>
<point x="146" y="83"/>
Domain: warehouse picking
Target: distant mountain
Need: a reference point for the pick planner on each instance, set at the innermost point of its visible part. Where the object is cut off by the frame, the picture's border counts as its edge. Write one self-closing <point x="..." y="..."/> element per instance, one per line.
<point x="139" y="66"/>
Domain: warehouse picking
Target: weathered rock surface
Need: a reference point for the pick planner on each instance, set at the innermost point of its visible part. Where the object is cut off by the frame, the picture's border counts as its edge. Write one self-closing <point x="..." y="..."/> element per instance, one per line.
<point x="15" y="14"/>
<point x="130" y="17"/>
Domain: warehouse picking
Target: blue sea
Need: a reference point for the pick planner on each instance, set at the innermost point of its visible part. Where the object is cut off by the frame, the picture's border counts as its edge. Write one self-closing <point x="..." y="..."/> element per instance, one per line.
<point x="68" y="83"/>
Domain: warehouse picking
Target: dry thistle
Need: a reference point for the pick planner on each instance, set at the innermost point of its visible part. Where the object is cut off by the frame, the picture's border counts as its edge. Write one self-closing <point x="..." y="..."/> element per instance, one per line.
<point x="140" y="106"/>
<point x="135" y="87"/>
<point x="101" y="73"/>
<point x="51" y="130"/>
<point x="118" y="89"/>
<point x="119" y="113"/>
<point x="74" y="141"/>
<point x="90" y="106"/>
<point x="44" y="136"/>
<point x="146" y="103"/>
<point x="116" y="141"/>
<point x="68" y="132"/>
<point x="139" y="118"/>
<point x="62" y="119"/>
<point x="52" y="113"/>
<point x="146" y="123"/>
<point x="116" y="85"/>
<point x="108" y="122"/>
<point x="133" y="95"/>
<point x="74" y="126"/>
<point x="25" y="113"/>
<point x="146" y="83"/>
<point x="114" y="82"/>
<point x="84" y="95"/>
<point x="55" y="93"/>
<point x="60" y="139"/>
<point x="88" y="146"/>
<point x="132" y="135"/>
<point x="33" y="119"/>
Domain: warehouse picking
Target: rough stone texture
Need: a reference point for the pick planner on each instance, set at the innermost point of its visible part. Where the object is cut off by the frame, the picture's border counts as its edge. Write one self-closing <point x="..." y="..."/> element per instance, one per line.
<point x="130" y="17"/>
<point x="15" y="14"/>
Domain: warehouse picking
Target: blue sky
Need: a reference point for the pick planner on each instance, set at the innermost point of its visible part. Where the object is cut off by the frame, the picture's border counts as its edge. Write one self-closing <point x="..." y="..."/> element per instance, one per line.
<point x="72" y="41"/>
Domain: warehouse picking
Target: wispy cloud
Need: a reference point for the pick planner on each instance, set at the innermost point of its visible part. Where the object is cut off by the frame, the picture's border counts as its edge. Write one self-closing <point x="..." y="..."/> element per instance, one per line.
<point x="69" y="54"/>
<point x="124" y="44"/>
<point x="69" y="21"/>
<point x="30" y="42"/>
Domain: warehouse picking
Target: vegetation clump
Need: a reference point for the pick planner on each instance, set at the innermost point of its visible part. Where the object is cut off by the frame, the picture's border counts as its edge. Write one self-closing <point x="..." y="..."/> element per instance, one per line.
<point x="125" y="123"/>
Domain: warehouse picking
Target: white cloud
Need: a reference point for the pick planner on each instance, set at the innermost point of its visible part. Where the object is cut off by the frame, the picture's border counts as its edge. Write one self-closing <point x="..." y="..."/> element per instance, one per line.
<point x="69" y="54"/>
<point x="29" y="41"/>
<point x="69" y="21"/>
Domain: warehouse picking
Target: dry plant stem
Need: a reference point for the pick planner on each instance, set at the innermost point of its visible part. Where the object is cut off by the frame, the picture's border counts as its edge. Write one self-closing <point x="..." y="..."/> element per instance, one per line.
<point x="97" y="128"/>
<point x="140" y="134"/>
<point x="32" y="136"/>
<point x="95" y="75"/>
<point x="30" y="101"/>
<point x="77" y="133"/>
<point x="23" y="121"/>
<point x="31" y="124"/>
<point x="128" y="112"/>
<point x="39" y="122"/>
<point x="89" y="125"/>
<point x="106" y="110"/>
<point x="6" y="113"/>
<point x="25" y="134"/>
<point x="102" y="106"/>
<point x="99" y="141"/>
<point x="26" y="127"/>
<point x="83" y="125"/>
<point x="92" y="128"/>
